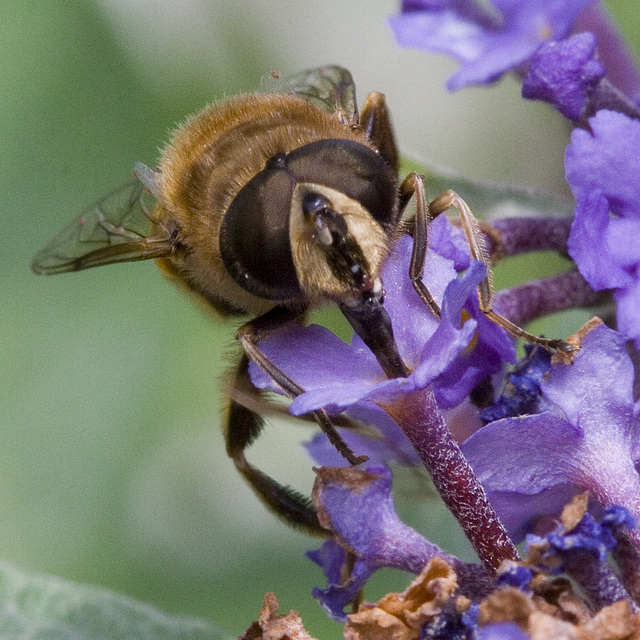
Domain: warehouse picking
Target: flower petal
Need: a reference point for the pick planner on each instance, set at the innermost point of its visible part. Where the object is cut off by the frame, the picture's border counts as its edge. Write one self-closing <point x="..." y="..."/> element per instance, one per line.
<point x="488" y="41"/>
<point x="607" y="160"/>
<point x="533" y="455"/>
<point x="357" y="507"/>
<point x="564" y="73"/>
<point x="596" y="390"/>
<point x="588" y="246"/>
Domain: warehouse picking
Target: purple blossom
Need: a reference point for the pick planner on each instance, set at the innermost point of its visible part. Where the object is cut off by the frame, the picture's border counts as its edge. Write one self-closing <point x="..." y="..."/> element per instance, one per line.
<point x="516" y="575"/>
<point x="564" y="73"/>
<point x="602" y="168"/>
<point x="521" y="392"/>
<point x="337" y="376"/>
<point x="580" y="549"/>
<point x="502" y="631"/>
<point x="589" y="536"/>
<point x="357" y="507"/>
<point x="586" y="440"/>
<point x="487" y="43"/>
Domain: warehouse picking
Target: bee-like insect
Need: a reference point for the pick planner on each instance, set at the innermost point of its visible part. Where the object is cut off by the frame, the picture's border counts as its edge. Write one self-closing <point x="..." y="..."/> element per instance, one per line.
<point x="267" y="205"/>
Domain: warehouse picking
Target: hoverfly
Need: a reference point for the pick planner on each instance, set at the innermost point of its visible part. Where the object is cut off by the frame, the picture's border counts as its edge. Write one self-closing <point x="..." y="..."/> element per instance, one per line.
<point x="268" y="205"/>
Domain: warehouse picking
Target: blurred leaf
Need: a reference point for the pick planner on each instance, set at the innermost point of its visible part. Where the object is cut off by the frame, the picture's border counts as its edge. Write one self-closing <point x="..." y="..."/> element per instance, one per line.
<point x="35" y="606"/>
<point x="490" y="199"/>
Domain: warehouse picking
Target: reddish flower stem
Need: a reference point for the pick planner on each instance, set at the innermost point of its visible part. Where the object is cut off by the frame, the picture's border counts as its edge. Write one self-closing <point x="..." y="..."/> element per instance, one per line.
<point x="420" y="418"/>
<point x="514" y="236"/>
<point x="525" y="302"/>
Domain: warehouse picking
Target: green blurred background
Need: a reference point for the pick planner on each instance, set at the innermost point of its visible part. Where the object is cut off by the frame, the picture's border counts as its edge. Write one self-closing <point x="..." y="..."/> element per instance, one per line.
<point x="112" y="470"/>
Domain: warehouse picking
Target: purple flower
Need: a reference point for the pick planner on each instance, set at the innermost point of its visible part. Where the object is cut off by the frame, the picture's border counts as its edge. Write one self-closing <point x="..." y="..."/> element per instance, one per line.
<point x="487" y="43"/>
<point x="387" y="445"/>
<point x="589" y="536"/>
<point x="521" y="392"/>
<point x="602" y="169"/>
<point x="515" y="575"/>
<point x="564" y="73"/>
<point x="357" y="507"/>
<point x="579" y="545"/>
<point x="502" y="631"/>
<point x="337" y="376"/>
<point x="586" y="440"/>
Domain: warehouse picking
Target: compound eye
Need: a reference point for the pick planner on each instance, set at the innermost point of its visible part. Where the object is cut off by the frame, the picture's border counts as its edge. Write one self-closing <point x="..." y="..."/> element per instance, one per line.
<point x="254" y="237"/>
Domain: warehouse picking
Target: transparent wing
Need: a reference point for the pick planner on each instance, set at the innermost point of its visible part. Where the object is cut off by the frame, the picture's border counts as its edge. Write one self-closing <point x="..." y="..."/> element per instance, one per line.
<point x="329" y="88"/>
<point x="114" y="229"/>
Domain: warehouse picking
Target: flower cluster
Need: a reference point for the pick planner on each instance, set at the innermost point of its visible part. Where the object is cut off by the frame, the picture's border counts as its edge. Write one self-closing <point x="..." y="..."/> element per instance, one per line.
<point x="508" y="444"/>
<point x="526" y="600"/>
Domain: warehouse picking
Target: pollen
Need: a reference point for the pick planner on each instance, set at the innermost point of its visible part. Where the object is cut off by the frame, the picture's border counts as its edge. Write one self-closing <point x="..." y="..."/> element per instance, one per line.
<point x="546" y="32"/>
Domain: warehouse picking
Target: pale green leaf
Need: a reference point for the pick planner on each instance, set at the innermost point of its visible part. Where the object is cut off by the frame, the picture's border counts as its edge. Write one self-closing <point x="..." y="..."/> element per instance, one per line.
<point x="37" y="607"/>
<point x="490" y="199"/>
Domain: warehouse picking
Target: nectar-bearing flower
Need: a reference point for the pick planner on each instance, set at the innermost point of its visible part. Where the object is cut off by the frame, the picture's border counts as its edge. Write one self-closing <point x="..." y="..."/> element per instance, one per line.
<point x="578" y="545"/>
<point x="570" y="75"/>
<point x="602" y="168"/>
<point x="585" y="439"/>
<point x="564" y="73"/>
<point x="438" y="352"/>
<point x="488" y="39"/>
<point x="357" y="507"/>
<point x="447" y="358"/>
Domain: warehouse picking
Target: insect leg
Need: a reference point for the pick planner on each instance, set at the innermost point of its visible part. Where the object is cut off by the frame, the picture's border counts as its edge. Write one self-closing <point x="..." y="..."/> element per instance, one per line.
<point x="250" y="334"/>
<point x="485" y="289"/>
<point x="413" y="185"/>
<point x="376" y="122"/>
<point x="243" y="427"/>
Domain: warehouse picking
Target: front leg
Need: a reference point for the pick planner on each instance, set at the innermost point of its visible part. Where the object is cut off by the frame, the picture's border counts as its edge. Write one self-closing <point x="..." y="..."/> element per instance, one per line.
<point x="485" y="289"/>
<point x="250" y="334"/>
<point x="413" y="185"/>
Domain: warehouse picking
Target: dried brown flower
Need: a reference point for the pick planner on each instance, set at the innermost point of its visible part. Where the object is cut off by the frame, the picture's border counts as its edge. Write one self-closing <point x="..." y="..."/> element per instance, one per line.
<point x="400" y="616"/>
<point x="271" y="626"/>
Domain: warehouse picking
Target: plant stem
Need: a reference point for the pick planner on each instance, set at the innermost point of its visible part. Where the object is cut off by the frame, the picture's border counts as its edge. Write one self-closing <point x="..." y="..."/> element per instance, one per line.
<point x="422" y="422"/>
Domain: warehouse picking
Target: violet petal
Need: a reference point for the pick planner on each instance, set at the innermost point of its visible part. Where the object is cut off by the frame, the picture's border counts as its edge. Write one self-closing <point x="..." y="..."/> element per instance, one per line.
<point x="564" y="73"/>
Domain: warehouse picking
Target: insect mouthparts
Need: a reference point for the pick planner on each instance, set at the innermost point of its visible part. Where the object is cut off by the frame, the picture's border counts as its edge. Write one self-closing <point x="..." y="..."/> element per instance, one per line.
<point x="330" y="226"/>
<point x="314" y="203"/>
